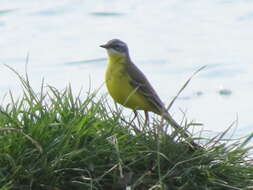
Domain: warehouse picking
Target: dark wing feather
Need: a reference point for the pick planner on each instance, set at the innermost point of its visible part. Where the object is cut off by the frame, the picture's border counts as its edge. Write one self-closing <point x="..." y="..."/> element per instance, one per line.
<point x="140" y="82"/>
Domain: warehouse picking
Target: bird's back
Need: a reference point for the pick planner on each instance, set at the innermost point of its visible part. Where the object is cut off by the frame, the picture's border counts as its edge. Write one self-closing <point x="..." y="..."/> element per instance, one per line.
<point x="139" y="80"/>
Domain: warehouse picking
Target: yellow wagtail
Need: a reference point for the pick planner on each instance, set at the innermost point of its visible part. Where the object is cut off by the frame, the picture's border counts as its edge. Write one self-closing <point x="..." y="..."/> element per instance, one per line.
<point x="129" y="87"/>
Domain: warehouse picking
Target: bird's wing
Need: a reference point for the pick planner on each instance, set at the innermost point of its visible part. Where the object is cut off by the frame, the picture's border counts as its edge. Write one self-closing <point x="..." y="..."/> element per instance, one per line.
<point x="141" y="83"/>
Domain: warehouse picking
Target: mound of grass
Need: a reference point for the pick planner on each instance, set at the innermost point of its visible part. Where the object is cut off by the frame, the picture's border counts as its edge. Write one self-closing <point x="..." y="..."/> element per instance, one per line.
<point x="52" y="140"/>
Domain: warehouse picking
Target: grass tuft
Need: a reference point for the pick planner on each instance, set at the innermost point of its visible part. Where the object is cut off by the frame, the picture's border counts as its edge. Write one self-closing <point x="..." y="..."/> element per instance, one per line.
<point x="53" y="140"/>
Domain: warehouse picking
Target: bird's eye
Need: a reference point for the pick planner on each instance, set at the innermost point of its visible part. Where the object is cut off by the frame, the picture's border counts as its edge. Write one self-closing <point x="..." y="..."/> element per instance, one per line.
<point x="117" y="47"/>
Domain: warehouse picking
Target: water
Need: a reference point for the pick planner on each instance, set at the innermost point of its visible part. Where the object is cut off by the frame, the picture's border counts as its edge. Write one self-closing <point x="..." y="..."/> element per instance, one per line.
<point x="168" y="40"/>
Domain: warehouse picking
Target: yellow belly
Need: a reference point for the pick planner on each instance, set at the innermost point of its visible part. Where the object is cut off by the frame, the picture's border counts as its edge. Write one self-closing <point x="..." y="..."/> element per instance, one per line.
<point x="117" y="82"/>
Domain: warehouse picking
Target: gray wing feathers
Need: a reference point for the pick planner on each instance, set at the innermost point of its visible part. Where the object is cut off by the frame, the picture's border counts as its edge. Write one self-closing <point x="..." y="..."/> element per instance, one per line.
<point x="144" y="87"/>
<point x="140" y="82"/>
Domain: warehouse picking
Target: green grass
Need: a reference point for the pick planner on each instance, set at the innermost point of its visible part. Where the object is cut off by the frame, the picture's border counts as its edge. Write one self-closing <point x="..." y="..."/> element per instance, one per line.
<point x="53" y="140"/>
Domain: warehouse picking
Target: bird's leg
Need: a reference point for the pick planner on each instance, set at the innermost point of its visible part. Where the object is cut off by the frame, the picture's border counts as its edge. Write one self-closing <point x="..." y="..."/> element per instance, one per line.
<point x="135" y="115"/>
<point x="138" y="119"/>
<point x="146" y="118"/>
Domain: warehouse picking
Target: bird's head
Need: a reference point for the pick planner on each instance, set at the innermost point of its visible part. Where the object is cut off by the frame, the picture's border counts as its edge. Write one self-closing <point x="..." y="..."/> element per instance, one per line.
<point x="116" y="47"/>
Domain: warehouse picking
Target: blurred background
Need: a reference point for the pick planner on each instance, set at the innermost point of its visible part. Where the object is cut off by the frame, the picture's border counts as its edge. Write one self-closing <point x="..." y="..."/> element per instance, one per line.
<point x="168" y="40"/>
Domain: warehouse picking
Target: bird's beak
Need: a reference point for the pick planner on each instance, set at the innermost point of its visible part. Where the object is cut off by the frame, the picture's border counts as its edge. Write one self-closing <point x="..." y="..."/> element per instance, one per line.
<point x="104" y="46"/>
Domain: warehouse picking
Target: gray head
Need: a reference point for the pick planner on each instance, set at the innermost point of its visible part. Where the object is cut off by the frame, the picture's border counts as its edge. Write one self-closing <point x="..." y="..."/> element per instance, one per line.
<point x="116" y="47"/>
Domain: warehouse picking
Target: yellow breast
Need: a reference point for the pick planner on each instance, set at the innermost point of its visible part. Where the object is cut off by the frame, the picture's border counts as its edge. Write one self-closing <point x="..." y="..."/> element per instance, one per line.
<point x="119" y="87"/>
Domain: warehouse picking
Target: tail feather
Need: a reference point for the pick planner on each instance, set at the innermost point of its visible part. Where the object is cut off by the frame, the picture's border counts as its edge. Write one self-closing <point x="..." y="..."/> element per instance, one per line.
<point x="178" y="128"/>
<point x="175" y="125"/>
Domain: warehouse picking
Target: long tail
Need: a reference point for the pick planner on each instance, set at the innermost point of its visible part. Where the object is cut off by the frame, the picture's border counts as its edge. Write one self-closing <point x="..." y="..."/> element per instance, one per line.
<point x="179" y="128"/>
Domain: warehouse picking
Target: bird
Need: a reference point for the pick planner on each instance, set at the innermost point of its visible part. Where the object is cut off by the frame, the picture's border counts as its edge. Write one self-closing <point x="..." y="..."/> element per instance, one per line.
<point x="128" y="86"/>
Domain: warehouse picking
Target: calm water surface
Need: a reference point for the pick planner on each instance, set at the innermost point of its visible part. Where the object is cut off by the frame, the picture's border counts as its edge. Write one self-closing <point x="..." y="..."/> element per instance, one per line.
<point x="168" y="40"/>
